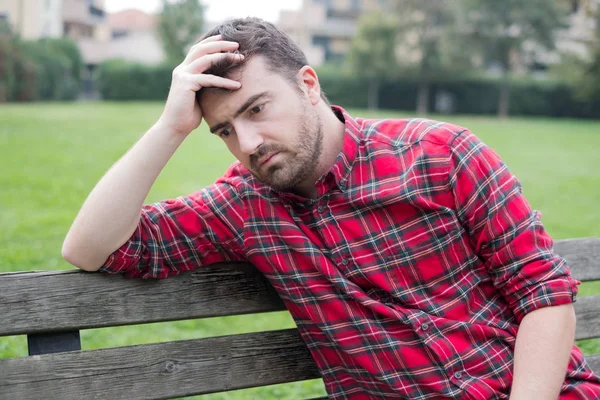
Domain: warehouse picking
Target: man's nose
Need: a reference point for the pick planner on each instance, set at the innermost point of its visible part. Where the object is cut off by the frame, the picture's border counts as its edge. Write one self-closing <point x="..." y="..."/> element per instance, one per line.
<point x="249" y="140"/>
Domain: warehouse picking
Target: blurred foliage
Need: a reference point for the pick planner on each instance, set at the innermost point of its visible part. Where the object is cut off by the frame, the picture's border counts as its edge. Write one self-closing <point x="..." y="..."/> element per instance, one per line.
<point x="57" y="67"/>
<point x="498" y="30"/>
<point x="122" y="80"/>
<point x="583" y="73"/>
<point x="469" y="94"/>
<point x="372" y="52"/>
<point x="45" y="69"/>
<point x="430" y="43"/>
<point x="180" y="26"/>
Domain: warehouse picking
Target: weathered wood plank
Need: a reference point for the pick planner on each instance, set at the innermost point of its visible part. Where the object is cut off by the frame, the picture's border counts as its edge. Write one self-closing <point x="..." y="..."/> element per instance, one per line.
<point x="587" y="310"/>
<point x="70" y="300"/>
<point x="594" y="362"/>
<point x="583" y="257"/>
<point x="163" y="370"/>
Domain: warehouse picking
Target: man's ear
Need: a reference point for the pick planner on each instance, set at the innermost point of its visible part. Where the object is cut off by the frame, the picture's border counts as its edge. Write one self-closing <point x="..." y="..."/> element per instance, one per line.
<point x="309" y="83"/>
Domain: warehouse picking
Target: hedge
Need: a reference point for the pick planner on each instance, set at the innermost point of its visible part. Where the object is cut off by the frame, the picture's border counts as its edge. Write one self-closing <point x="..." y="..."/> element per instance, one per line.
<point x="47" y="69"/>
<point x="120" y="80"/>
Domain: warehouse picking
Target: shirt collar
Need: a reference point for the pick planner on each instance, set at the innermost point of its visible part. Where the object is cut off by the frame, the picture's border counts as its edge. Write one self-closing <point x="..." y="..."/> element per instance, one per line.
<point x="343" y="164"/>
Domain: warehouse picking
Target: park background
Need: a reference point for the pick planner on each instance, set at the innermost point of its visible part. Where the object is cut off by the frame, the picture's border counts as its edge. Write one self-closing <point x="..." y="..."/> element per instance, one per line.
<point x="79" y="84"/>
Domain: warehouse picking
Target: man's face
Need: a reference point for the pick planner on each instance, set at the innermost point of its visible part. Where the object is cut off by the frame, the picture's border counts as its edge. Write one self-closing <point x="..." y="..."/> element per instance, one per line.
<point x="268" y="124"/>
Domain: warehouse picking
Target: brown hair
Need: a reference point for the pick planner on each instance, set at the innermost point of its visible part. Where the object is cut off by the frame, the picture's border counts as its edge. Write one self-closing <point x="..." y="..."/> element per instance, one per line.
<point x="259" y="37"/>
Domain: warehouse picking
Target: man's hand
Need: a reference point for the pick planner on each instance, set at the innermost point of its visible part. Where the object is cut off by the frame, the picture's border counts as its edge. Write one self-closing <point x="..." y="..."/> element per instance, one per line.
<point x="182" y="114"/>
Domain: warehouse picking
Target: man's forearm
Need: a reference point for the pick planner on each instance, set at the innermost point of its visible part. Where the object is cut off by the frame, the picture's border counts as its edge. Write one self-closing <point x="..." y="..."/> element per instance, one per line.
<point x="542" y="352"/>
<point x="111" y="212"/>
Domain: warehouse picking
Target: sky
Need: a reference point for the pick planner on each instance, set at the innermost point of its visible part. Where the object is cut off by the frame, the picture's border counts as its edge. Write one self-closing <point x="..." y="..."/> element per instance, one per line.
<point x="217" y="10"/>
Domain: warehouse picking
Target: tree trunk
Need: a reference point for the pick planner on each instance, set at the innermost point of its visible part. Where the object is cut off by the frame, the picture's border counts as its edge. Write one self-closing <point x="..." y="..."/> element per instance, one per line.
<point x="373" y="94"/>
<point x="504" y="100"/>
<point x="423" y="98"/>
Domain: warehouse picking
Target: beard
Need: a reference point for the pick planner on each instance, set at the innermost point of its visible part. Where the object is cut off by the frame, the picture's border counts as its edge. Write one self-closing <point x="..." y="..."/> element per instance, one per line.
<point x="298" y="161"/>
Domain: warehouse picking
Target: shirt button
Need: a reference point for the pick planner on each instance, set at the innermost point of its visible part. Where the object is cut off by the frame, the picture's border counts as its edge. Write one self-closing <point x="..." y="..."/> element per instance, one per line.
<point x="458" y="375"/>
<point x="342" y="184"/>
<point x="424" y="326"/>
<point x="345" y="261"/>
<point x="321" y="209"/>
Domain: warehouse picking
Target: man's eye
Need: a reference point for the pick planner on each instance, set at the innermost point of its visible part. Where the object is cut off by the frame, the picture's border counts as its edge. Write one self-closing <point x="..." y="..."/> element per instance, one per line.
<point x="256" y="109"/>
<point x="224" y="133"/>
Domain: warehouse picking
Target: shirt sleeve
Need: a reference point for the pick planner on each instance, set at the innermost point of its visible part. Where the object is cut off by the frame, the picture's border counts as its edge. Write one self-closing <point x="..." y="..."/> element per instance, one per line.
<point x="182" y="234"/>
<point x="504" y="231"/>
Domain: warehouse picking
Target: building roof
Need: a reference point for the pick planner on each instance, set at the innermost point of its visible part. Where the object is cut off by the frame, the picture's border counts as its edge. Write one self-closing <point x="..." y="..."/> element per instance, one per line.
<point x="142" y="47"/>
<point x="132" y="20"/>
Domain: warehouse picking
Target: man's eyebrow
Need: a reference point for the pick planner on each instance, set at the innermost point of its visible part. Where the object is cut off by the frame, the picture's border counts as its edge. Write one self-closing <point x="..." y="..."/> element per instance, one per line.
<point x="240" y="110"/>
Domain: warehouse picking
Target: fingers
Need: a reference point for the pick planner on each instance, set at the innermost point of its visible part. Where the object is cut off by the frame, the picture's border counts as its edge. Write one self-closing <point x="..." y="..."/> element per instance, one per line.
<point x="210" y="39"/>
<point x="205" y="62"/>
<point x="204" y="48"/>
<point x="203" y="80"/>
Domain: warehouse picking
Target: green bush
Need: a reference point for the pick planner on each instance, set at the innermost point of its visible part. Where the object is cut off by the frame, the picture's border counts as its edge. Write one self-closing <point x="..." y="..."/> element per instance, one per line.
<point x="18" y="80"/>
<point x="121" y="80"/>
<point x="55" y="69"/>
<point x="471" y="95"/>
<point x="45" y="69"/>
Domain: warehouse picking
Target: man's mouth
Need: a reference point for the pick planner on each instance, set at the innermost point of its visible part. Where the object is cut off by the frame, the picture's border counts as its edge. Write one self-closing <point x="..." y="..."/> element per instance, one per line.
<point x="265" y="160"/>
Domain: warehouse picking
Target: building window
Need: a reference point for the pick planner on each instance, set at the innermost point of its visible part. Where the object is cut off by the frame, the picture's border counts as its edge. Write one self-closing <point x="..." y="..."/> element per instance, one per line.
<point x="575" y="4"/>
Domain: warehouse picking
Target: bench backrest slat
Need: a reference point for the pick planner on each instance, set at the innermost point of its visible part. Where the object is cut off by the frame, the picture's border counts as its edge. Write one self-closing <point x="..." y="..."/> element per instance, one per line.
<point x="587" y="310"/>
<point x="594" y="362"/>
<point x="583" y="257"/>
<point x="71" y="300"/>
<point x="162" y="370"/>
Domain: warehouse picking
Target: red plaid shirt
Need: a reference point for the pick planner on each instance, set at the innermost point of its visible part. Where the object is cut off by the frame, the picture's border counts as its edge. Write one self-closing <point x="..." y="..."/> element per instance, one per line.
<point x="407" y="276"/>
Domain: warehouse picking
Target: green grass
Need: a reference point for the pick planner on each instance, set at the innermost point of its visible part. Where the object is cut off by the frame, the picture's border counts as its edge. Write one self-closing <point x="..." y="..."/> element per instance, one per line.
<point x="52" y="155"/>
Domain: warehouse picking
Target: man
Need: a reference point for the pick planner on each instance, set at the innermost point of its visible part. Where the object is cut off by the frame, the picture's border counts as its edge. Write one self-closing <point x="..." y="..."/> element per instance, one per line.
<point x="404" y="249"/>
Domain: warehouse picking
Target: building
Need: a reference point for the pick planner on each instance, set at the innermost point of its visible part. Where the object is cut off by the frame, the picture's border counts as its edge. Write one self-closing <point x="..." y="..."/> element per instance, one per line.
<point x="35" y="19"/>
<point x="129" y="35"/>
<point x="324" y="28"/>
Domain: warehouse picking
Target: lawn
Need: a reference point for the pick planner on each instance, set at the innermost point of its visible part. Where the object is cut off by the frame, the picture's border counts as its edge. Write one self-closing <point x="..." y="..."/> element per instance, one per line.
<point x="53" y="154"/>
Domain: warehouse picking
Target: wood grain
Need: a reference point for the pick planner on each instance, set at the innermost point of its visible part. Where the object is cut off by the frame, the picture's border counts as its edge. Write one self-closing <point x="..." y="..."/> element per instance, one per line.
<point x="35" y="302"/>
<point x="587" y="310"/>
<point x="163" y="370"/>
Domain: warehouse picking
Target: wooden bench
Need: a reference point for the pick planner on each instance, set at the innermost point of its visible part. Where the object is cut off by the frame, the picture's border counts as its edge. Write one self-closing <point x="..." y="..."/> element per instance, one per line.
<point x="52" y="307"/>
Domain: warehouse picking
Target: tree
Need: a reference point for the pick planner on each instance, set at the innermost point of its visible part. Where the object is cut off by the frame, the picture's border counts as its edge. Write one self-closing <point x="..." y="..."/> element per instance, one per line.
<point x="588" y="86"/>
<point x="371" y="55"/>
<point x="581" y="71"/>
<point x="428" y="43"/>
<point x="180" y="26"/>
<point x="501" y="28"/>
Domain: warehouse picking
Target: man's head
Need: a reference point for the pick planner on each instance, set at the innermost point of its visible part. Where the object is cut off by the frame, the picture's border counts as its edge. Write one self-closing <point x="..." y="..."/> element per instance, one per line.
<point x="272" y="124"/>
<point x="258" y="37"/>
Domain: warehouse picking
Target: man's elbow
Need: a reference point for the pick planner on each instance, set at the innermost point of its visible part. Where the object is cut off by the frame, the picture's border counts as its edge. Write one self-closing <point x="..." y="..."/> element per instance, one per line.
<point x="77" y="258"/>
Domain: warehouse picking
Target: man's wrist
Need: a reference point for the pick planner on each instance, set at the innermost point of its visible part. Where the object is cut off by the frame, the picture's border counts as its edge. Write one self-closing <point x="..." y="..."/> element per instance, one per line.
<point x="167" y="130"/>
